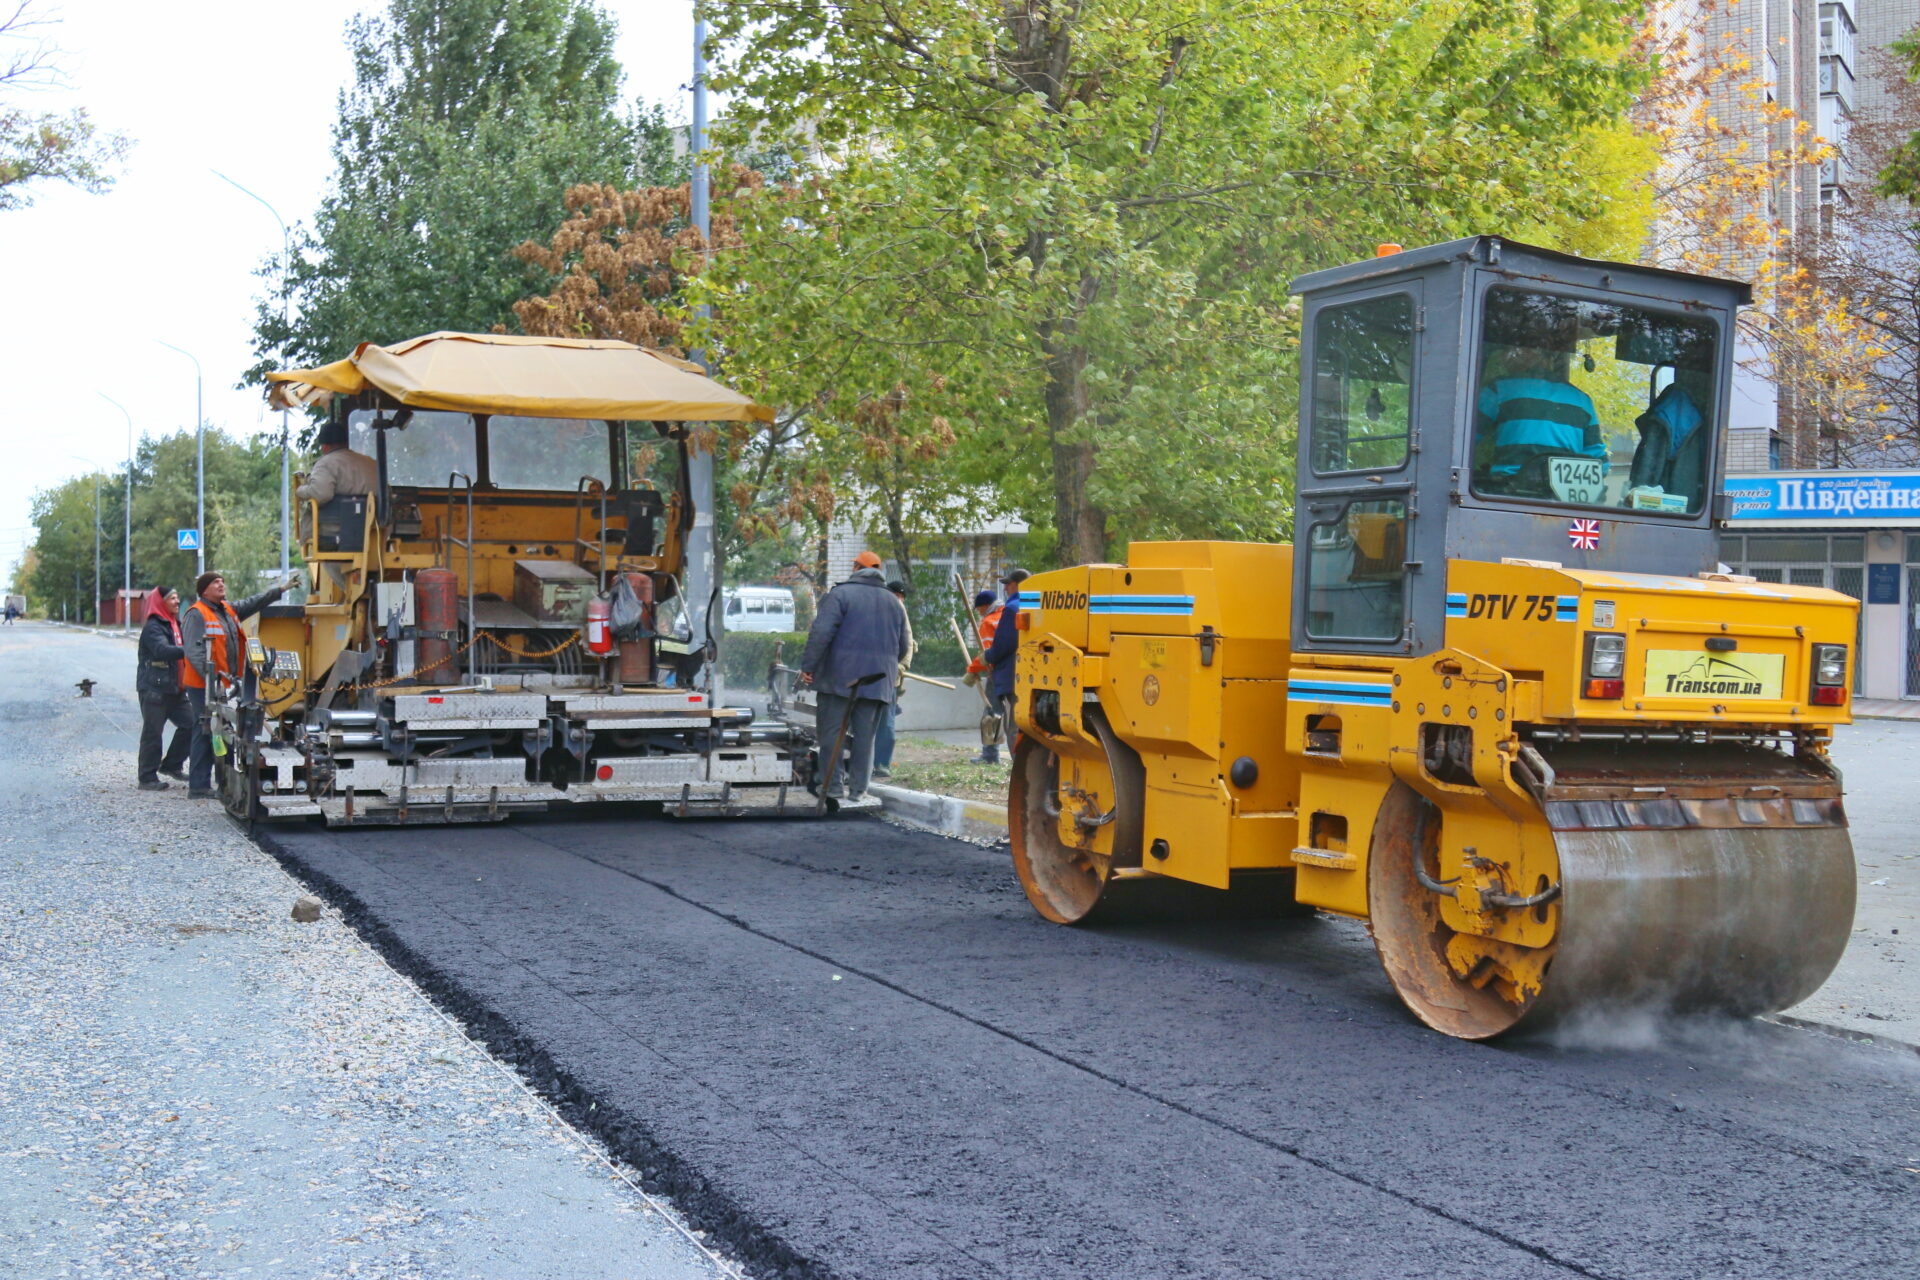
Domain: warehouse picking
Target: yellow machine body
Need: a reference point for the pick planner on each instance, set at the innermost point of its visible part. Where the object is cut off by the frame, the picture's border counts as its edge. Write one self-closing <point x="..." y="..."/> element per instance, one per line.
<point x="1169" y="684"/>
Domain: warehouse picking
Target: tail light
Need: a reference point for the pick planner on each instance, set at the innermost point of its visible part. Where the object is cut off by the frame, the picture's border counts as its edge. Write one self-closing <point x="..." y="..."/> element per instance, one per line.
<point x="1829" y="675"/>
<point x="1606" y="666"/>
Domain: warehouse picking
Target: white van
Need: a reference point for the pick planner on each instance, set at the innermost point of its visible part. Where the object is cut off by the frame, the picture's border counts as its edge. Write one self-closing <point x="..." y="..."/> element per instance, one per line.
<point x="759" y="609"/>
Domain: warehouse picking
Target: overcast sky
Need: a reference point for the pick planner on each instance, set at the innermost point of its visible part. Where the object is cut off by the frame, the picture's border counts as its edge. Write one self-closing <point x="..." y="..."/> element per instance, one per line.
<point x="93" y="284"/>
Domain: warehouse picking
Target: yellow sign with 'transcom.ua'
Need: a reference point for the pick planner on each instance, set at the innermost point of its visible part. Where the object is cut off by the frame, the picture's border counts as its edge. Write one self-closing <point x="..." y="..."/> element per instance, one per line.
<point x="1689" y="673"/>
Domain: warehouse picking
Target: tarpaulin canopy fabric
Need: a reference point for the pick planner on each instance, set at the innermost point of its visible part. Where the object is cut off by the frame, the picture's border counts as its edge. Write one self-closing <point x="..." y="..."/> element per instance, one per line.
<point x="532" y="377"/>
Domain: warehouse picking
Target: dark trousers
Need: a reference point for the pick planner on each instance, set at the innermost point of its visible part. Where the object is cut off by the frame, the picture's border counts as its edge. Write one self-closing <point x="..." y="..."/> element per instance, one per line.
<point x="200" y="763"/>
<point x="861" y="716"/>
<point x="883" y="737"/>
<point x="157" y="711"/>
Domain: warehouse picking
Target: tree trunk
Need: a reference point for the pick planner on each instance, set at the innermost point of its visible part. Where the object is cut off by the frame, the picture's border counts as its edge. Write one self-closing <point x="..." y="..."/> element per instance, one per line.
<point x="1081" y="525"/>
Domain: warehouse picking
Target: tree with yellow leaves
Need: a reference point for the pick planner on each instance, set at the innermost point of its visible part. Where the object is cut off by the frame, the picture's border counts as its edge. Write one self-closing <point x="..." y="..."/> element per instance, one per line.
<point x="1734" y="161"/>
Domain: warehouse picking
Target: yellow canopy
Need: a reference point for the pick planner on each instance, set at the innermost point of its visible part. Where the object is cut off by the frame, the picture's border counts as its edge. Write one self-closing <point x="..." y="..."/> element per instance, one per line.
<point x="533" y="377"/>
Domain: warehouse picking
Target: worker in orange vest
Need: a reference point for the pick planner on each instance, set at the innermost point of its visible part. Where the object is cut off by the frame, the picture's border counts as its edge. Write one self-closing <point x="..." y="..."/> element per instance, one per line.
<point x="215" y="650"/>
<point x="986" y="611"/>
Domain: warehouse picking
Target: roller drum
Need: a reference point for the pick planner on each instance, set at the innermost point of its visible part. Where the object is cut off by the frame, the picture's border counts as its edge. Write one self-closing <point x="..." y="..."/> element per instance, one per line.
<point x="1743" y="920"/>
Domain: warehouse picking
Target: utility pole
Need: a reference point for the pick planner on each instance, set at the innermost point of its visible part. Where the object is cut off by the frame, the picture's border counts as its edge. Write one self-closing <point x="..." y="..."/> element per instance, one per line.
<point x="286" y="261"/>
<point x="126" y="556"/>
<point x="96" y="548"/>
<point x="702" y="567"/>
<point x="199" y="462"/>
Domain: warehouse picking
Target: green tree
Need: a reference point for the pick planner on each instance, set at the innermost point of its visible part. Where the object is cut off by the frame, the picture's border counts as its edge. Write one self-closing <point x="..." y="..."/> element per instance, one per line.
<point x="466" y="123"/>
<point x="1066" y="226"/>
<point x="45" y="146"/>
<point x="1901" y="176"/>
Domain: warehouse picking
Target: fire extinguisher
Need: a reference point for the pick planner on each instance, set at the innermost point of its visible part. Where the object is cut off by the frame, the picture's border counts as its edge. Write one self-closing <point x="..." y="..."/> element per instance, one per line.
<point x="599" y="625"/>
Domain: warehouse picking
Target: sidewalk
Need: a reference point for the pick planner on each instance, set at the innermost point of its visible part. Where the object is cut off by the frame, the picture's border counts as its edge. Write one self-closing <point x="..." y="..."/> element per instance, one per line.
<point x="192" y="1084"/>
<point x="1885" y="709"/>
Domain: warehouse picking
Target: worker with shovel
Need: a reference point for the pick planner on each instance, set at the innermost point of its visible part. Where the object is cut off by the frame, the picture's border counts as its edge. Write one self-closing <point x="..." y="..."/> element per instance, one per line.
<point x="857" y="641"/>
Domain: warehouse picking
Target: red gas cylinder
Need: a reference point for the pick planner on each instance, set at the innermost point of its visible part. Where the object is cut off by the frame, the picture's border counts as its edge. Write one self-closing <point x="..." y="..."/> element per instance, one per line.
<point x="599" y="626"/>
<point x="436" y="613"/>
<point x="636" y="656"/>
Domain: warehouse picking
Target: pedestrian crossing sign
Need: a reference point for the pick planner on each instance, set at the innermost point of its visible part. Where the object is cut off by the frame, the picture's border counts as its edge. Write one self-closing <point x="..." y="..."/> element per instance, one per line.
<point x="189" y="539"/>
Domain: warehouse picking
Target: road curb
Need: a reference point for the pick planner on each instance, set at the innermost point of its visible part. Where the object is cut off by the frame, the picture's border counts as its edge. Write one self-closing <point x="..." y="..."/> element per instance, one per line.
<point x="970" y="820"/>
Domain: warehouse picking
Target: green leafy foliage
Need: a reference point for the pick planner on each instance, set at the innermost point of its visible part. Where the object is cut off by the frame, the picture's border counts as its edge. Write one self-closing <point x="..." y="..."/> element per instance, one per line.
<point x="466" y="123"/>
<point x="1901" y="177"/>
<point x="45" y="146"/>
<point x="243" y="522"/>
<point x="1062" y="232"/>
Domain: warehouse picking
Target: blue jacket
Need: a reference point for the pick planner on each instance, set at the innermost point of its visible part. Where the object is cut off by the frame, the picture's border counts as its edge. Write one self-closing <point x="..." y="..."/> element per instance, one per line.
<point x="1532" y="416"/>
<point x="1006" y="641"/>
<point x="860" y="630"/>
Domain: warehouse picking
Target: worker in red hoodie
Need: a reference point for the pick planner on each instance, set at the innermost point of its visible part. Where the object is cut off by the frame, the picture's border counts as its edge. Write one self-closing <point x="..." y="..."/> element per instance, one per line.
<point x="162" y="699"/>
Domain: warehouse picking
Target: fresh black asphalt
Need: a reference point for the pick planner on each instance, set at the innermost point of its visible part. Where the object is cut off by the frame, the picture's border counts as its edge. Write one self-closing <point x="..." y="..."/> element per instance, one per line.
<point x="851" y="1050"/>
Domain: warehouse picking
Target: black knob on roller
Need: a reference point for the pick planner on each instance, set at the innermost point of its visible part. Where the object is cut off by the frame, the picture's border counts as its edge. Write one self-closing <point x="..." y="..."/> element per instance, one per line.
<point x="1244" y="772"/>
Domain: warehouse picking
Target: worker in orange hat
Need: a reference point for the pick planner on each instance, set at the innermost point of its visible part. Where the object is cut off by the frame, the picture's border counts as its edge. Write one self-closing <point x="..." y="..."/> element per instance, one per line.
<point x="857" y="641"/>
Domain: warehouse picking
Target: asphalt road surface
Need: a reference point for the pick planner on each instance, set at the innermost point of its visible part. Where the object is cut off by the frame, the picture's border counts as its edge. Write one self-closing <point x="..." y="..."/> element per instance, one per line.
<point x="852" y="1050"/>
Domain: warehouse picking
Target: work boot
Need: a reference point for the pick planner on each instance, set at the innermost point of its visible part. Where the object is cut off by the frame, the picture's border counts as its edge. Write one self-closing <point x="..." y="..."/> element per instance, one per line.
<point x="202" y="793"/>
<point x="178" y="775"/>
<point x="881" y="771"/>
<point x="153" y="784"/>
<point x="989" y="756"/>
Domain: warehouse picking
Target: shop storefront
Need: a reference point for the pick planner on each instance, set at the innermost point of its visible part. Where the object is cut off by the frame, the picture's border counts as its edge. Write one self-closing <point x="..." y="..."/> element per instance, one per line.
<point x="1857" y="532"/>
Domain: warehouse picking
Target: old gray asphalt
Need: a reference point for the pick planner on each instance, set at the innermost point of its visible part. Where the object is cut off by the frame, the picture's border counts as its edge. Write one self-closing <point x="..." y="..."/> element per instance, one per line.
<point x="191" y="1084"/>
<point x="854" y="1051"/>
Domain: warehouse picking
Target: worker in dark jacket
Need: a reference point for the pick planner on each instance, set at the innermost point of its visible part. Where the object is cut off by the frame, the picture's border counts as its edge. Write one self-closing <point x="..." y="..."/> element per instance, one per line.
<point x="999" y="656"/>
<point x="216" y="652"/>
<point x="857" y="640"/>
<point x="162" y="700"/>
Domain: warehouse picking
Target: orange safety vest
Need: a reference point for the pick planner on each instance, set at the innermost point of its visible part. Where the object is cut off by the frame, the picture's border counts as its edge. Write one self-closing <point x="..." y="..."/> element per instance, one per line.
<point x="990" y="624"/>
<point x="221" y="628"/>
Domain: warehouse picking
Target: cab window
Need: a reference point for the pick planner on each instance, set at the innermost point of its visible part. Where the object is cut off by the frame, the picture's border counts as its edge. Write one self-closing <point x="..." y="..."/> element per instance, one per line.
<point x="432" y="445"/>
<point x="1357" y="571"/>
<point x="1592" y="404"/>
<point x="1362" y="385"/>
<point x="546" y="453"/>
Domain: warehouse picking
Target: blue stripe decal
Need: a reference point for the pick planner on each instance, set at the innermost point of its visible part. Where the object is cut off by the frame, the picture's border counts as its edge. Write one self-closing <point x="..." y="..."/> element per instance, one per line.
<point x="1456" y="604"/>
<point x="1161" y="606"/>
<point x="1566" y="608"/>
<point x="1327" y="691"/>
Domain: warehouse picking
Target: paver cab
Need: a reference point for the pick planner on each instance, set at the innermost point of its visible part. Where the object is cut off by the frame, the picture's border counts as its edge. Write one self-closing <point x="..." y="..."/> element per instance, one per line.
<point x="522" y="613"/>
<point x="1496" y="700"/>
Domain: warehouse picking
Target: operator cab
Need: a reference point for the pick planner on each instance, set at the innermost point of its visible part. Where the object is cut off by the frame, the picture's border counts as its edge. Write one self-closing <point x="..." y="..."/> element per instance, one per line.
<point x="1569" y="410"/>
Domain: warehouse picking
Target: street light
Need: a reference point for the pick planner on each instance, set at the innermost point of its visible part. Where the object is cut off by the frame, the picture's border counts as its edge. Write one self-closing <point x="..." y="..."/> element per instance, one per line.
<point x="286" y="260"/>
<point x="126" y="557"/>
<point x="199" y="464"/>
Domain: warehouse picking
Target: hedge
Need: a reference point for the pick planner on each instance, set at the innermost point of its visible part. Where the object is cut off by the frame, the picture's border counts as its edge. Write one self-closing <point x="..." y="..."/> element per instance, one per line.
<point x="745" y="655"/>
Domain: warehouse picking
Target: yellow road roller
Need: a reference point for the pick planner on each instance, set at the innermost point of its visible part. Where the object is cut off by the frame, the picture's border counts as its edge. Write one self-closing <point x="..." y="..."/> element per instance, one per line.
<point x="1499" y="699"/>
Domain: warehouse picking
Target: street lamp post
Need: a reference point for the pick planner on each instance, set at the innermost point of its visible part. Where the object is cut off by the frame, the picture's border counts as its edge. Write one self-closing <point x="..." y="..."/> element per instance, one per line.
<point x="286" y="260"/>
<point x="126" y="556"/>
<point x="199" y="463"/>
<point x="702" y="558"/>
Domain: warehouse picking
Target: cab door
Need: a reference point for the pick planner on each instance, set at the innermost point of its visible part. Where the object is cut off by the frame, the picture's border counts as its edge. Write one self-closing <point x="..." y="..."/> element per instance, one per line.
<point x="1359" y="439"/>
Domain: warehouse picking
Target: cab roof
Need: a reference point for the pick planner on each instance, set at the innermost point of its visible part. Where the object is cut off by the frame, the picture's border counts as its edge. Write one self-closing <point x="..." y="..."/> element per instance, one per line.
<point x="536" y="377"/>
<point x="1487" y="251"/>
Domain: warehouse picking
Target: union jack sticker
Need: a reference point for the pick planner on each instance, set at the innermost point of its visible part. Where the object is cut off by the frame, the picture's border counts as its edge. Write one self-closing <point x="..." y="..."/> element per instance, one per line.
<point x="1584" y="534"/>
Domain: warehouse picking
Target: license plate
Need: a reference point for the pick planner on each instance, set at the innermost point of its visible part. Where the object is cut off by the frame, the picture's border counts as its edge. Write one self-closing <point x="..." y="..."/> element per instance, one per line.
<point x="1578" y="479"/>
<point x="1689" y="673"/>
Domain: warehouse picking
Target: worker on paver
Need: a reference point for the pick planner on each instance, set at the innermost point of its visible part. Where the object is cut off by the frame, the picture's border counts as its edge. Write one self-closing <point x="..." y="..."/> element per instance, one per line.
<point x="215" y="649"/>
<point x="340" y="470"/>
<point x="163" y="701"/>
<point x="856" y="644"/>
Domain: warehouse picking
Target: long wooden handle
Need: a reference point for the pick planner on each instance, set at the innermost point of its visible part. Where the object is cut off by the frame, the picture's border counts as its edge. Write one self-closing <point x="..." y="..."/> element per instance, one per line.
<point x="942" y="684"/>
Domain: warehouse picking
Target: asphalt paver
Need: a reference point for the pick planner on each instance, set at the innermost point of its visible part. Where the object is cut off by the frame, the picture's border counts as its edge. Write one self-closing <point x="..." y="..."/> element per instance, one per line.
<point x="853" y="1050"/>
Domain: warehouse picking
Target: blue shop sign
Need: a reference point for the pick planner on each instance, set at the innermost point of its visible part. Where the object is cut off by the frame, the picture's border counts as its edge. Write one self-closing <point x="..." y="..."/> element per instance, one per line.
<point x="1825" y="497"/>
